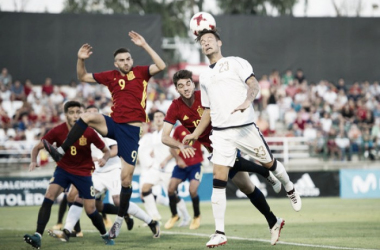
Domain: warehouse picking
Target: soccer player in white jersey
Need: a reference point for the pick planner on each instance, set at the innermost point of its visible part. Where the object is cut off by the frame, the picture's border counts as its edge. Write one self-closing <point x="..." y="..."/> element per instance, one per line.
<point x="161" y="170"/>
<point x="228" y="89"/>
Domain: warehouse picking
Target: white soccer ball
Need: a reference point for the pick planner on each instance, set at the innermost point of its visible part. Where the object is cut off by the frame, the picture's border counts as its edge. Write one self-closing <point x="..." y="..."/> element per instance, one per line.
<point x="201" y="21"/>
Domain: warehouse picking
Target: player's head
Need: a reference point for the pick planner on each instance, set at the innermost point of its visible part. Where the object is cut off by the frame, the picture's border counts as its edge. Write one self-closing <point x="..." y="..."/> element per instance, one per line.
<point x="210" y="42"/>
<point x="72" y="112"/>
<point x="183" y="82"/>
<point x="158" y="118"/>
<point x="123" y="60"/>
<point x="92" y="109"/>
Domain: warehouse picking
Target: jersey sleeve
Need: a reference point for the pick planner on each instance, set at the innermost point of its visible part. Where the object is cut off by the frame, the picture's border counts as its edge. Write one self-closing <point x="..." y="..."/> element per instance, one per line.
<point x="243" y="68"/>
<point x="204" y="95"/>
<point x="171" y="114"/>
<point x="176" y="133"/>
<point x="104" y="77"/>
<point x="144" y="71"/>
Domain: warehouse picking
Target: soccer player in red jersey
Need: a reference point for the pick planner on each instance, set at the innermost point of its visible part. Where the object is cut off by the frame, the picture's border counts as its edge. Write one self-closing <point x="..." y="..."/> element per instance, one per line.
<point x="188" y="110"/>
<point x="187" y="168"/>
<point x="128" y="86"/>
<point x="75" y="168"/>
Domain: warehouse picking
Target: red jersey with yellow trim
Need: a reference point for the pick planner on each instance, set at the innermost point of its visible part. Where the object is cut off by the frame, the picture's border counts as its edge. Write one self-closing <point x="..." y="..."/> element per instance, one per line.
<point x="128" y="93"/>
<point x="189" y="117"/>
<point x="179" y="133"/>
<point x="77" y="160"/>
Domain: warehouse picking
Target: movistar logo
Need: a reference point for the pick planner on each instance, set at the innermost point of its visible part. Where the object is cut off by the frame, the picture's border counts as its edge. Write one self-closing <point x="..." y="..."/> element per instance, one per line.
<point x="363" y="186"/>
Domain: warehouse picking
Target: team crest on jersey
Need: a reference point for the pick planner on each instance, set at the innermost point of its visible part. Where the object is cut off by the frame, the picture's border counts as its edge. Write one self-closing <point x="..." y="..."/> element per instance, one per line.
<point x="200" y="111"/>
<point x="183" y="133"/>
<point x="82" y="141"/>
<point x="185" y="118"/>
<point x="130" y="76"/>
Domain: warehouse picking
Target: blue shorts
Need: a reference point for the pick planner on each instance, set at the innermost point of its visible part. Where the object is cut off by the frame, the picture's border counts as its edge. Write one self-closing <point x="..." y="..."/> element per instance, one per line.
<point x="82" y="183"/>
<point x="193" y="172"/>
<point x="127" y="137"/>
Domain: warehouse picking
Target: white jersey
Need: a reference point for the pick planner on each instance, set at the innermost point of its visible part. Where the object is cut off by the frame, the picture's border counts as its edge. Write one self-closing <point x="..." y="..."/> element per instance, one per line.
<point x="145" y="149"/>
<point x="224" y="88"/>
<point x="112" y="163"/>
<point x="161" y="151"/>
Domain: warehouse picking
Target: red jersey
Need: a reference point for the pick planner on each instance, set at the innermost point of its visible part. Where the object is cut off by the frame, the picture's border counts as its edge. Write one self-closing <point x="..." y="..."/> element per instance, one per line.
<point x="77" y="160"/>
<point x="189" y="117"/>
<point x="179" y="133"/>
<point x="128" y="93"/>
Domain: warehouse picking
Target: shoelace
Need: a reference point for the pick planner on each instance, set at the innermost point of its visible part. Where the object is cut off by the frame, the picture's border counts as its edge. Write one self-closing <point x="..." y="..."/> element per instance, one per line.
<point x="293" y="198"/>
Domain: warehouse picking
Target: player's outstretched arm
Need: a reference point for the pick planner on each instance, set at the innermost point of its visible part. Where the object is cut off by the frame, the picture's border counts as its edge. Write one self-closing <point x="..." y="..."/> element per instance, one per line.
<point x="84" y="52"/>
<point x="253" y="90"/>
<point x="159" y="64"/>
<point x="33" y="156"/>
<point x="166" y="139"/>
<point x="203" y="124"/>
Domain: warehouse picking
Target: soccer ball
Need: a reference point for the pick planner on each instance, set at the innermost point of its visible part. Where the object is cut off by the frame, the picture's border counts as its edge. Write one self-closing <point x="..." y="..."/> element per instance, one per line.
<point x="201" y="21"/>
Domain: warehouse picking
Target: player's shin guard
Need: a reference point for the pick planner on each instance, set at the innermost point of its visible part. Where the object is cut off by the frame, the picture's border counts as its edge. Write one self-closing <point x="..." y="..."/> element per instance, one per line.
<point x="258" y="200"/>
<point x="44" y="215"/>
<point x="125" y="196"/>
<point x="279" y="171"/>
<point x="75" y="133"/>
<point x="219" y="203"/>
<point x="196" y="209"/>
<point x="97" y="221"/>
<point x="73" y="217"/>
<point x="173" y="204"/>
<point x="244" y="165"/>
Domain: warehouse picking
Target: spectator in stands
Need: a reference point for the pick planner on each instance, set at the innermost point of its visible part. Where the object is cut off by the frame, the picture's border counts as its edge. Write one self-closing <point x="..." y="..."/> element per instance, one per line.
<point x="341" y="99"/>
<point x="355" y="91"/>
<point x="5" y="77"/>
<point x="310" y="133"/>
<point x="332" y="147"/>
<point x="162" y="103"/>
<point x="343" y="144"/>
<point x="17" y="91"/>
<point x="287" y="77"/>
<point x="84" y="90"/>
<point x="291" y="90"/>
<point x="374" y="89"/>
<point x="299" y="76"/>
<point x="274" y="78"/>
<point x="341" y="85"/>
<point x="356" y="141"/>
<point x="368" y="145"/>
<point x="28" y="87"/>
<point x="326" y="122"/>
<point x="263" y="125"/>
<point x="5" y="93"/>
<point x="321" y="88"/>
<point x="289" y="117"/>
<point x="330" y="96"/>
<point x="264" y="90"/>
<point x="56" y="97"/>
<point x="273" y="109"/>
<point x="47" y="87"/>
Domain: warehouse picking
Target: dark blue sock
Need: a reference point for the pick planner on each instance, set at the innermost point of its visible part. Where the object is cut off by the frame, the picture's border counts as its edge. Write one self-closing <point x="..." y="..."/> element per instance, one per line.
<point x="44" y="215"/>
<point x="258" y="200"/>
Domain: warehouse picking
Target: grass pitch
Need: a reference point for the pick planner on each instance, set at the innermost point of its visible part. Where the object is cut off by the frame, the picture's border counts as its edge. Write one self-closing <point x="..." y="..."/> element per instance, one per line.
<point x="323" y="223"/>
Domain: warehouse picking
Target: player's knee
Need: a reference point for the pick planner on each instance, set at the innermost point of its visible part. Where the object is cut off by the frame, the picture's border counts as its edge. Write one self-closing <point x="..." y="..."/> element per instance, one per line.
<point x="193" y="193"/>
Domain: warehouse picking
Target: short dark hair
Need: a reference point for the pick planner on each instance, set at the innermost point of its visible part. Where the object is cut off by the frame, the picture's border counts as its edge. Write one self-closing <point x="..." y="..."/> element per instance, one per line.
<point x="71" y="104"/>
<point x="182" y="74"/>
<point x="92" y="107"/>
<point x="159" y="111"/>
<point x="203" y="32"/>
<point x="119" y="51"/>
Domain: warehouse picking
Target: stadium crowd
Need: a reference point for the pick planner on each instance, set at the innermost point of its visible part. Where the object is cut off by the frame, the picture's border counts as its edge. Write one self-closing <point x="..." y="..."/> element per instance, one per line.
<point x="338" y="119"/>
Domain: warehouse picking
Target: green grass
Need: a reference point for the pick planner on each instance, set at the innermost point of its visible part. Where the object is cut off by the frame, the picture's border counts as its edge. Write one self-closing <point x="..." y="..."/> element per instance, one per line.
<point x="323" y="223"/>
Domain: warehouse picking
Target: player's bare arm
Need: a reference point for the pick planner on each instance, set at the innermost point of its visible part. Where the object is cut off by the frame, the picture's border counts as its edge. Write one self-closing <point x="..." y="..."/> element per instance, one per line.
<point x="33" y="156"/>
<point x="159" y="64"/>
<point x="106" y="155"/>
<point x="203" y="124"/>
<point x="253" y="90"/>
<point x="84" y="52"/>
<point x="180" y="162"/>
<point x="169" y="141"/>
<point x="165" y="161"/>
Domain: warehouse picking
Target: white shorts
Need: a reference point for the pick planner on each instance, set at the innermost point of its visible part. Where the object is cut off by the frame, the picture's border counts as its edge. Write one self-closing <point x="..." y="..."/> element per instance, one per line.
<point x="108" y="181"/>
<point x="247" y="139"/>
<point x="155" y="177"/>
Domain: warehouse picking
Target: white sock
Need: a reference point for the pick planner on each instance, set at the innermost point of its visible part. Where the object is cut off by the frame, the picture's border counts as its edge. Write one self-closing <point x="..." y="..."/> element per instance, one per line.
<point x="119" y="219"/>
<point x="137" y="212"/>
<point x="283" y="177"/>
<point x="219" y="203"/>
<point x="150" y="207"/>
<point x="181" y="207"/>
<point x="160" y="199"/>
<point x="72" y="217"/>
